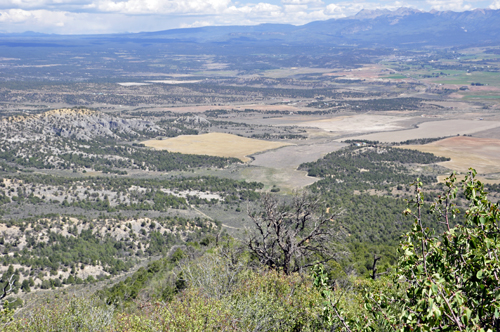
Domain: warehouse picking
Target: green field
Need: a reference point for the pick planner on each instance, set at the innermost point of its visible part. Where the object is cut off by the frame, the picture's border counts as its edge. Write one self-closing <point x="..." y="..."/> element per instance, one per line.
<point x="464" y="78"/>
<point x="395" y="77"/>
<point x="482" y="97"/>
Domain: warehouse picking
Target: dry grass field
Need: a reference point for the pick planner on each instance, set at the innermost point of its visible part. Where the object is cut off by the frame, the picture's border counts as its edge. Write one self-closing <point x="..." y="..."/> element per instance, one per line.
<point x="215" y="144"/>
<point x="483" y="154"/>
<point x="433" y="129"/>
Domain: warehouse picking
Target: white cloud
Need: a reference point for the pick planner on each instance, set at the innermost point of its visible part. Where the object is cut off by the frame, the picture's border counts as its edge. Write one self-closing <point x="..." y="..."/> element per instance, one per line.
<point x="40" y="17"/>
<point x="163" y="6"/>
<point x="333" y="9"/>
<point x="295" y="8"/>
<point x="454" y="5"/>
<point x="43" y="4"/>
<point x="495" y="5"/>
<point x="196" y="24"/>
<point x="259" y="11"/>
<point x="15" y="16"/>
<point x="47" y="21"/>
<point x="301" y="2"/>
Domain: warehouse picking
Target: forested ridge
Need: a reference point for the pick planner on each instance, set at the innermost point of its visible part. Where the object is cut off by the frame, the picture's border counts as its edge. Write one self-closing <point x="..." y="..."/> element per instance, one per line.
<point x="371" y="184"/>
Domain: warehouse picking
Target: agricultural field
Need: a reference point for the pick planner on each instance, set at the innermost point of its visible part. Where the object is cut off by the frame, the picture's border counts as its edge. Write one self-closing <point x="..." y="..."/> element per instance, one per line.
<point x="483" y="154"/>
<point x="348" y="125"/>
<point x="465" y="78"/>
<point x="215" y="144"/>
<point x="433" y="129"/>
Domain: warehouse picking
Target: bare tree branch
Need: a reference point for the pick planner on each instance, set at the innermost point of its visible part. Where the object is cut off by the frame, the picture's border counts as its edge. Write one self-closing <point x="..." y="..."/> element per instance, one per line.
<point x="288" y="235"/>
<point x="8" y="287"/>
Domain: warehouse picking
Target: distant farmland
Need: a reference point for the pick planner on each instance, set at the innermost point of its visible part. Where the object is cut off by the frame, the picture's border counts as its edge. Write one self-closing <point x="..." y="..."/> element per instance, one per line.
<point x="483" y="154"/>
<point x="215" y="144"/>
<point x="433" y="129"/>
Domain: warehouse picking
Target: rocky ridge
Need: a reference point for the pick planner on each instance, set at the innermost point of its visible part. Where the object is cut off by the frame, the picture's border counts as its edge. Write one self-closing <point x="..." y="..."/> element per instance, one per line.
<point x="77" y="123"/>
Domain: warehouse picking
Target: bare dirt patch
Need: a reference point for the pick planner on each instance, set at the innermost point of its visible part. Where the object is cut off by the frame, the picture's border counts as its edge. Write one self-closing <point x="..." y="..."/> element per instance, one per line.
<point x="490" y="133"/>
<point x="433" y="129"/>
<point x="215" y="144"/>
<point x="293" y="156"/>
<point x="483" y="154"/>
<point x="279" y="167"/>
<point x="484" y="88"/>
<point x="358" y="123"/>
<point x="369" y="72"/>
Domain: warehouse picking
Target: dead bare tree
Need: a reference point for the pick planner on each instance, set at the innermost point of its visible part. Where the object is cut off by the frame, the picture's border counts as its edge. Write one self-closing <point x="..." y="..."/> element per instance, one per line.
<point x="374" y="267"/>
<point x="8" y="287"/>
<point x="295" y="235"/>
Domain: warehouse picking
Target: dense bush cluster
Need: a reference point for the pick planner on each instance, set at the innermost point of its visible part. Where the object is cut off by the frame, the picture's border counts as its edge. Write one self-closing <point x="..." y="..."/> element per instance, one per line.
<point x="375" y="165"/>
<point x="361" y="179"/>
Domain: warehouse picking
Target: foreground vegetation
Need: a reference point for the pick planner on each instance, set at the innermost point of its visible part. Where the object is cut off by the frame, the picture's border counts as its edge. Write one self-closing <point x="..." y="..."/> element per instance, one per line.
<point x="62" y="232"/>
<point x="444" y="281"/>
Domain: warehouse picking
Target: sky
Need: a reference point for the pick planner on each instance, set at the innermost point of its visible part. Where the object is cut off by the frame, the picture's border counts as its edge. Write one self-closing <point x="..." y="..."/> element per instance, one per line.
<point x="117" y="16"/>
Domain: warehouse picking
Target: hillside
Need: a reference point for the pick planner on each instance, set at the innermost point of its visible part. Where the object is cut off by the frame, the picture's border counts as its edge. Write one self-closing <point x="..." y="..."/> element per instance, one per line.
<point x="79" y="123"/>
<point x="81" y="139"/>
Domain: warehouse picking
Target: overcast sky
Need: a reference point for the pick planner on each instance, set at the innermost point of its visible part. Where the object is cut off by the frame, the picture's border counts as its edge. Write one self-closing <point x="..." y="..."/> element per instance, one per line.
<point x="111" y="16"/>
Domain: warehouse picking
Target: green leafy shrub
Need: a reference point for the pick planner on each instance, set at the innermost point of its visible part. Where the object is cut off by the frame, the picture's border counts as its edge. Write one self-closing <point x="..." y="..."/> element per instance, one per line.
<point x="442" y="283"/>
<point x="222" y="295"/>
<point x="79" y="314"/>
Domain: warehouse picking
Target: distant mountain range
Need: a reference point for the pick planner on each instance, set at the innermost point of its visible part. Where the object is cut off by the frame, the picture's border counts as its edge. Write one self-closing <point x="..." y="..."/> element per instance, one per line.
<point x="402" y="27"/>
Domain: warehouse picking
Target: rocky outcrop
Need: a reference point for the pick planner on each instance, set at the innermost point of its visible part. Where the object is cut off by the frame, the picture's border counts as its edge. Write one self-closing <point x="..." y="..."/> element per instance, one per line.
<point x="83" y="124"/>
